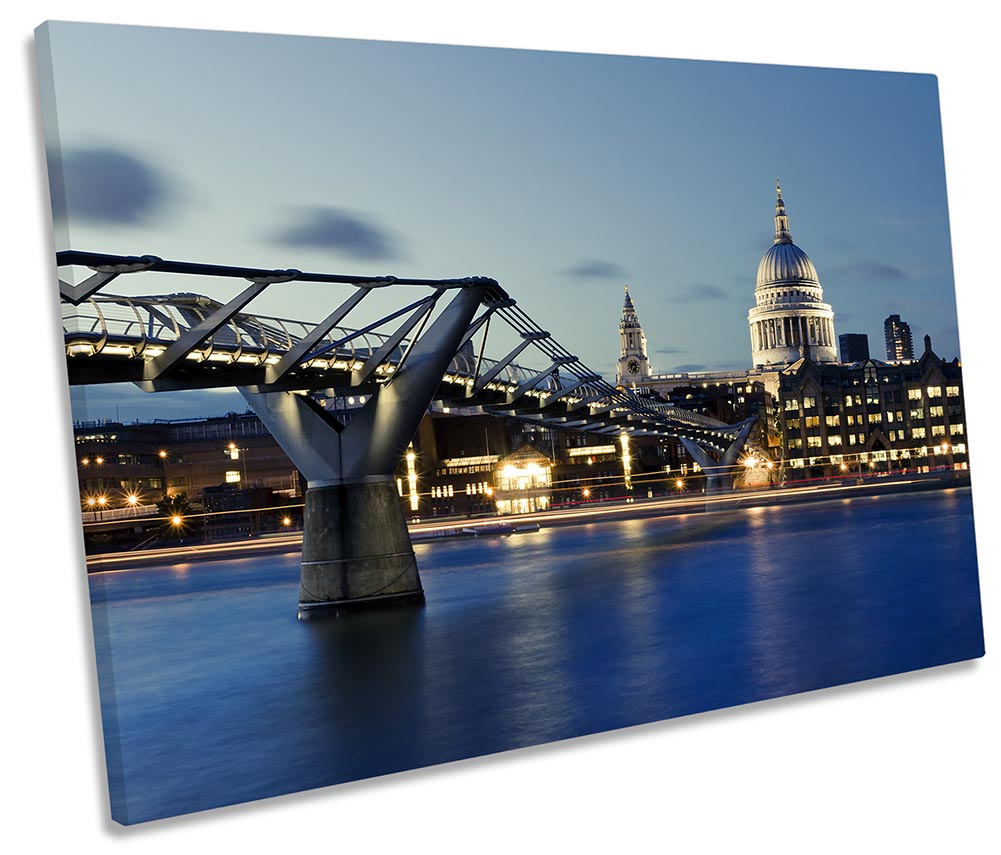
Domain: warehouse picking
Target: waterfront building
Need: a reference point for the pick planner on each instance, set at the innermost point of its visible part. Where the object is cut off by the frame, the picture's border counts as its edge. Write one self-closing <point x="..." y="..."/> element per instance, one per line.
<point x="790" y="318"/>
<point x="872" y="416"/>
<point x="899" y="344"/>
<point x="854" y="347"/>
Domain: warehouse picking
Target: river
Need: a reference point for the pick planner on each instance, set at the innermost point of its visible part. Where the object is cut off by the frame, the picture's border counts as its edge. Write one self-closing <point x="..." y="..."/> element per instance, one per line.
<point x="217" y="694"/>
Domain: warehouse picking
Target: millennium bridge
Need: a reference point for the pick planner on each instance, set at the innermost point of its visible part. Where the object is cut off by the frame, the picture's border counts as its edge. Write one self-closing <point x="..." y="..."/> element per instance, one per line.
<point x="295" y="374"/>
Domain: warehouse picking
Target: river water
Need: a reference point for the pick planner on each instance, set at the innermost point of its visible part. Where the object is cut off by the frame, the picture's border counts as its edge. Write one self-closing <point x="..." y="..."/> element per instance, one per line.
<point x="217" y="694"/>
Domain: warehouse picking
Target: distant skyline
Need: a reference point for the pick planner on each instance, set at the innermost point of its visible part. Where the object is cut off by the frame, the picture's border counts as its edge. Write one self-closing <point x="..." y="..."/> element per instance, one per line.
<point x="564" y="176"/>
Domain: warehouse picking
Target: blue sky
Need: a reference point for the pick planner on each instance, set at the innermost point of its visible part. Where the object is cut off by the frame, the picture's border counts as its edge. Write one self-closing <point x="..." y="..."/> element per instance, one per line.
<point x="564" y="176"/>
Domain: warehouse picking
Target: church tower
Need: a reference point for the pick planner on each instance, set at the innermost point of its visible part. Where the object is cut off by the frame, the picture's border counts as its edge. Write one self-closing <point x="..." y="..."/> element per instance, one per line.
<point x="633" y="366"/>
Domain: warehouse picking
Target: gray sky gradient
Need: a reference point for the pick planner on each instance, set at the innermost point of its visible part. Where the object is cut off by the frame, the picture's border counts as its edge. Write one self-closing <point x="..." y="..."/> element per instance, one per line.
<point x="564" y="176"/>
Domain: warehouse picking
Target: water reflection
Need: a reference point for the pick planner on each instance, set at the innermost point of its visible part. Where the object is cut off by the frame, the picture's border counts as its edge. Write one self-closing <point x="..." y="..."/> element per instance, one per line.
<point x="218" y="694"/>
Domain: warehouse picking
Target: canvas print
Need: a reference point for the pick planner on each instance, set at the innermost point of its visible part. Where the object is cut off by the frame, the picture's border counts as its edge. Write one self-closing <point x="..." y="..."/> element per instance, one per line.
<point x="434" y="401"/>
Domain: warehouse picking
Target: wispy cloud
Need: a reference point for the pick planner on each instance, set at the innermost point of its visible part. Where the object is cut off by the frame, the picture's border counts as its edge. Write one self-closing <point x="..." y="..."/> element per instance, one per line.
<point x="106" y="185"/>
<point x="596" y="269"/>
<point x="671" y="350"/>
<point x="689" y="366"/>
<point x="347" y="232"/>
<point x="701" y="292"/>
<point x="871" y="268"/>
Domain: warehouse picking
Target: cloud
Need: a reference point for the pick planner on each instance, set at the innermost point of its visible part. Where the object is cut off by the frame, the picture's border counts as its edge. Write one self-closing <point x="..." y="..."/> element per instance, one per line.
<point x="689" y="366"/>
<point x="105" y="185"/>
<point x="595" y="269"/>
<point x="871" y="268"/>
<point x="347" y="232"/>
<point x="671" y="350"/>
<point x="700" y="292"/>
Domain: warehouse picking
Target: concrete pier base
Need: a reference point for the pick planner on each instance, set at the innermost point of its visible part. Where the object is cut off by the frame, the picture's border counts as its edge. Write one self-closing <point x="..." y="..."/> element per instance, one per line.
<point x="356" y="550"/>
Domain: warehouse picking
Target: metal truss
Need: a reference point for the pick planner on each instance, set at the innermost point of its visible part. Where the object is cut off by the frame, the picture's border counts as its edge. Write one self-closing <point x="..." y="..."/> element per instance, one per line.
<point x="183" y="341"/>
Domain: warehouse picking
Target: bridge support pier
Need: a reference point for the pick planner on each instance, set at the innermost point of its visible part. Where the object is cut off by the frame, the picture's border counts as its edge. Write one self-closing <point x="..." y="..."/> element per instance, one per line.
<point x="356" y="549"/>
<point x="719" y="473"/>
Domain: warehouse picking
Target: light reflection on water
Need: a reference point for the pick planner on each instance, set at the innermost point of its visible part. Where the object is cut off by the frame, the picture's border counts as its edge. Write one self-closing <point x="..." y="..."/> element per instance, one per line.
<point x="220" y="695"/>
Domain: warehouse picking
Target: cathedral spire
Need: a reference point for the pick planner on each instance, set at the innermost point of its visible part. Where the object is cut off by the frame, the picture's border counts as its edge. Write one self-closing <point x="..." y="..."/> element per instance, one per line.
<point x="782" y="233"/>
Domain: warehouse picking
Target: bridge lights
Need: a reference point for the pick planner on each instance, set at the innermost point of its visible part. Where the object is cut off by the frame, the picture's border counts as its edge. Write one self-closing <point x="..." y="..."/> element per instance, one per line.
<point x="586" y="493"/>
<point x="679" y="484"/>
<point x="162" y="454"/>
<point x="286" y="521"/>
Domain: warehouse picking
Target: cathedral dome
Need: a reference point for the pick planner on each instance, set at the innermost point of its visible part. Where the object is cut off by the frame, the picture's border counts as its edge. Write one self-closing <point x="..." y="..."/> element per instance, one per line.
<point x="786" y="262"/>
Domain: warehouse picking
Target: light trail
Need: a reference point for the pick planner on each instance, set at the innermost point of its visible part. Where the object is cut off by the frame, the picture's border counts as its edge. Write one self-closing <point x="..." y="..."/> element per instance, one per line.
<point x="642" y="508"/>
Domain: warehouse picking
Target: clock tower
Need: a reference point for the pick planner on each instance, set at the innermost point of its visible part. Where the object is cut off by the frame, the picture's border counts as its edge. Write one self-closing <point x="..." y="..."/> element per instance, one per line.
<point x="633" y="366"/>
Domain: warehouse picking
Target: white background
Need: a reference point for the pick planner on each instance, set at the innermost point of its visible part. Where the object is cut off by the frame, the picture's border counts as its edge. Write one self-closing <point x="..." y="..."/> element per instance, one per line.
<point x="905" y="763"/>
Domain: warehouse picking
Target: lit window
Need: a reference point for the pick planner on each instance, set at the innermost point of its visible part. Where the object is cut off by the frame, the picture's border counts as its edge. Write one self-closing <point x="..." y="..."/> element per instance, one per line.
<point x="936" y="411"/>
<point x="808" y="403"/>
<point x="233" y="476"/>
<point x="834" y="439"/>
<point x="833" y="421"/>
<point x="813" y="442"/>
<point x="952" y="391"/>
<point x="917" y="414"/>
<point x="938" y="430"/>
<point x="956" y="429"/>
<point x="934" y="391"/>
<point x="918" y="433"/>
<point x="914" y="394"/>
<point x="792" y="404"/>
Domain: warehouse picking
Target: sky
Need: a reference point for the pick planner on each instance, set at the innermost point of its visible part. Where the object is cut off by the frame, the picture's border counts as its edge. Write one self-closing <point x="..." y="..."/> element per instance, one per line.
<point x="563" y="176"/>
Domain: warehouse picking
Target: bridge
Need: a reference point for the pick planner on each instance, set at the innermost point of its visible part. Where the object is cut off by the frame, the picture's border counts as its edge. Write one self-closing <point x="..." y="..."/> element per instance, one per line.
<point x="295" y="375"/>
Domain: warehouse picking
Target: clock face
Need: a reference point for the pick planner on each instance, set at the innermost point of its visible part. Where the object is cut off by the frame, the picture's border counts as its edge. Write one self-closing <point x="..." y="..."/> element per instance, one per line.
<point x="633" y="365"/>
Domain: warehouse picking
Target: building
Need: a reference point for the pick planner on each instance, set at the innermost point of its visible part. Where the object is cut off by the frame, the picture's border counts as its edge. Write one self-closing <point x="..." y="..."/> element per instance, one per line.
<point x="790" y="318"/>
<point x="872" y="416"/>
<point x="899" y="344"/>
<point x="854" y="347"/>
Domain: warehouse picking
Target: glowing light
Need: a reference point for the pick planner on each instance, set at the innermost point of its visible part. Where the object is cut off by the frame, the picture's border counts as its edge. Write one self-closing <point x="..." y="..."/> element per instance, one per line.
<point x="489" y="491"/>
<point x="680" y="483"/>
<point x="102" y="500"/>
<point x="86" y="461"/>
<point x="132" y="499"/>
<point x="91" y="501"/>
<point x="286" y="521"/>
<point x="586" y="492"/>
<point x="99" y="460"/>
<point x="627" y="464"/>
<point x="163" y="455"/>
<point x="412" y="479"/>
<point x="176" y="520"/>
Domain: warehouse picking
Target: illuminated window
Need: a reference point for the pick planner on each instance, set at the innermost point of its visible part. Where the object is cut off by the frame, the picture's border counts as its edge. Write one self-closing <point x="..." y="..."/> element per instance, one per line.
<point x="812" y="421"/>
<point x="952" y="391"/>
<point x="934" y="391"/>
<point x="875" y="418"/>
<point x="956" y="429"/>
<point x="809" y="403"/>
<point x="834" y="439"/>
<point x="233" y="476"/>
<point x="918" y="433"/>
<point x="917" y="414"/>
<point x="914" y="394"/>
<point x="833" y="421"/>
<point x="792" y="404"/>
<point x="936" y="412"/>
<point x="938" y="430"/>
<point x="813" y="442"/>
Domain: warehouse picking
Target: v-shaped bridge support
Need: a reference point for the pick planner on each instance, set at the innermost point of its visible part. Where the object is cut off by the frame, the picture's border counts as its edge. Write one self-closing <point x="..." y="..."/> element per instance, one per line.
<point x="719" y="473"/>
<point x="356" y="549"/>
